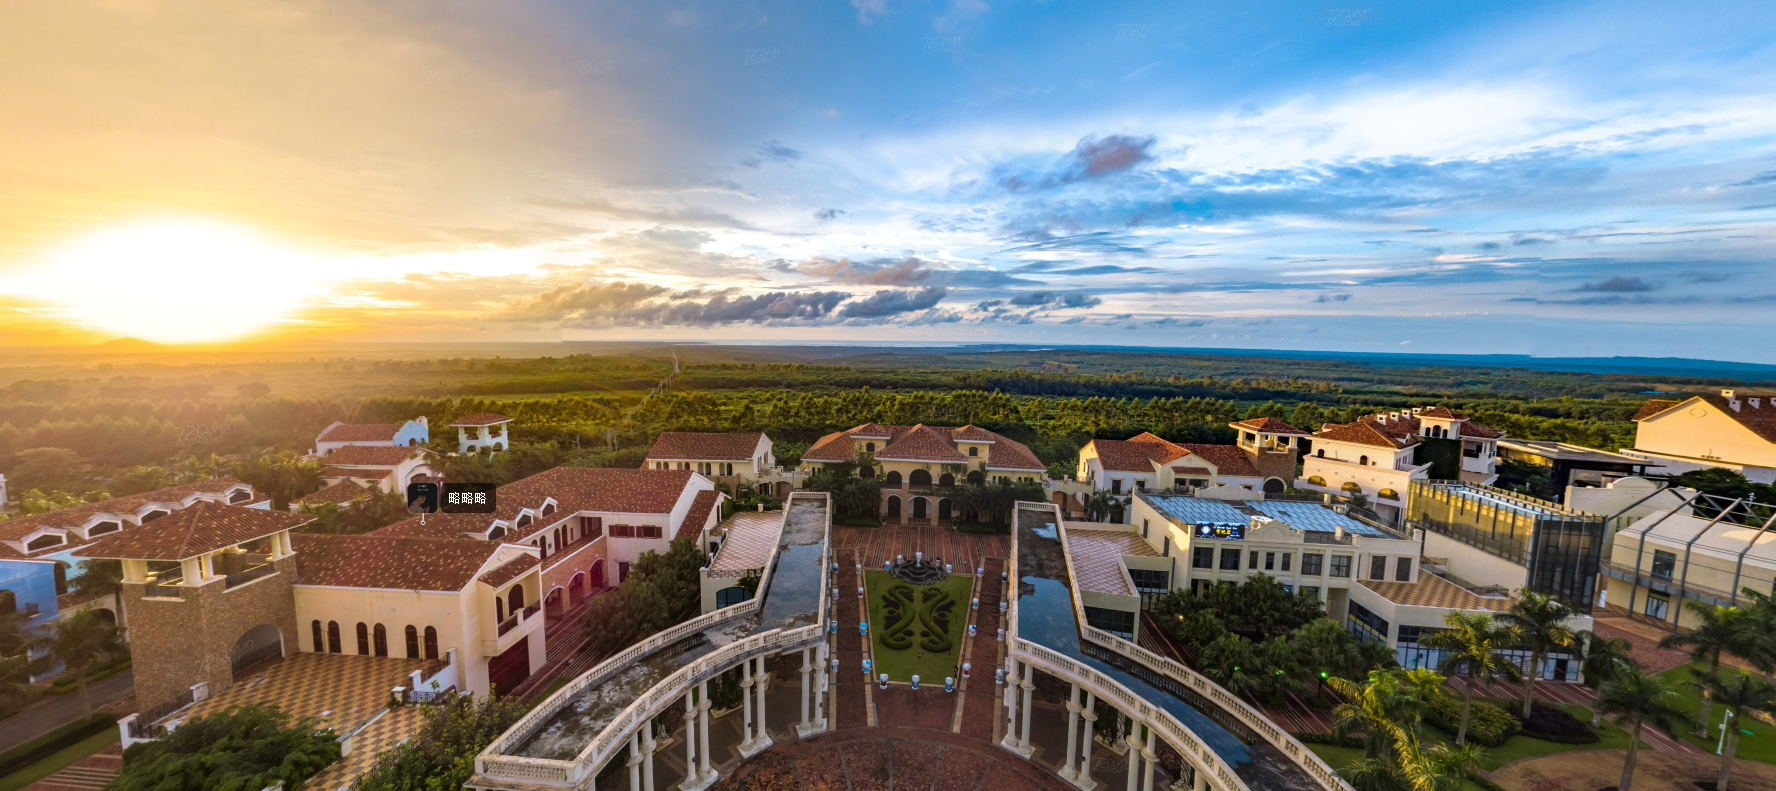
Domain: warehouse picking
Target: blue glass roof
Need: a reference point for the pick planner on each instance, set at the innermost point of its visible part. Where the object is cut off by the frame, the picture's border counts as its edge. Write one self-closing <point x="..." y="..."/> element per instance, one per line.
<point x="1193" y="511"/>
<point x="1312" y="517"/>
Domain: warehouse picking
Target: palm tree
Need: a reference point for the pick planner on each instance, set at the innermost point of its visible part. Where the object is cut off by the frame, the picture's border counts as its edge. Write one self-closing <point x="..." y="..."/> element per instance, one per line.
<point x="102" y="578"/>
<point x="1100" y="505"/>
<point x="1740" y="693"/>
<point x="1471" y="645"/>
<point x="1539" y="620"/>
<point x="1636" y="701"/>
<point x="1720" y="630"/>
<point x="1385" y="711"/>
<point x="83" y="642"/>
<point x="1603" y="659"/>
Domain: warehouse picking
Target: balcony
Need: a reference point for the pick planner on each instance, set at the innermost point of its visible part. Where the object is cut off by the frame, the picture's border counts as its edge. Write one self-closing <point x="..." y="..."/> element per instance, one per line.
<point x="245" y="576"/>
<point x="165" y="588"/>
<point x="511" y="630"/>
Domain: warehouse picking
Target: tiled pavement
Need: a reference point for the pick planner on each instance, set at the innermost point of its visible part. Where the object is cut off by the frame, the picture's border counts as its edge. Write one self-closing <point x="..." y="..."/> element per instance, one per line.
<point x="385" y="733"/>
<point x="339" y="691"/>
<point x="849" y="692"/>
<point x="876" y="544"/>
<point x="889" y="759"/>
<point x="981" y="712"/>
<point x="87" y="774"/>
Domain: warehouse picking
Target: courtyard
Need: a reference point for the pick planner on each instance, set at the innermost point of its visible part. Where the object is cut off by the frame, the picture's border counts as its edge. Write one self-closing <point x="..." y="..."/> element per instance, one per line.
<point x="917" y="629"/>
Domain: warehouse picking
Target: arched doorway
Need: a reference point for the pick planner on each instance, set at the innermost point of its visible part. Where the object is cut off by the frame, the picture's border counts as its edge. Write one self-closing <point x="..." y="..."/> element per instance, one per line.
<point x="595" y="577"/>
<point x="944" y="510"/>
<point x="977" y="477"/>
<point x="576" y="588"/>
<point x="730" y="596"/>
<point x="1274" y="486"/>
<point x="921" y="507"/>
<point x="552" y="605"/>
<point x="946" y="479"/>
<point x="919" y="478"/>
<point x="891" y="480"/>
<point x="893" y="507"/>
<point x="260" y="643"/>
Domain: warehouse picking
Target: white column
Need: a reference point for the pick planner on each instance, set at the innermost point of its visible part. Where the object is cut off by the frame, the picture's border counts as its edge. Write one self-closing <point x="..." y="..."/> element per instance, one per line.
<point x="813" y="719"/>
<point x="1029" y="686"/>
<point x="1072" y="766"/>
<point x="690" y="738"/>
<point x="760" y="682"/>
<point x="1011" y="704"/>
<point x="1202" y="778"/>
<point x="703" y="730"/>
<point x="1147" y="755"/>
<point x="648" y="748"/>
<point x="746" y="701"/>
<point x="1134" y="755"/>
<point x="1090" y="716"/>
<point x="807" y="691"/>
<point x="635" y="761"/>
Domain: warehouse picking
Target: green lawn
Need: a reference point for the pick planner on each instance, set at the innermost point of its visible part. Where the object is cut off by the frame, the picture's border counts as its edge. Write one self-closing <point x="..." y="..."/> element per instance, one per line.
<point x="917" y="626"/>
<point x="1759" y="746"/>
<point x="1518" y="748"/>
<point x="58" y="759"/>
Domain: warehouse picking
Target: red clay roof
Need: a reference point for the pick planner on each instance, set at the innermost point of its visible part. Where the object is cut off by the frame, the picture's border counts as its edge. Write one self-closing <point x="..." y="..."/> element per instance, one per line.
<point x="335" y="493"/>
<point x="1269" y="425"/>
<point x="1389" y="432"/>
<point x="1228" y="459"/>
<point x="16" y="529"/>
<point x="189" y="532"/>
<point x="509" y="570"/>
<point x="705" y="445"/>
<point x="1438" y="411"/>
<point x="607" y="489"/>
<point x="1190" y="470"/>
<point x="481" y="419"/>
<point x="369" y="456"/>
<point x="362" y="432"/>
<point x="405" y="563"/>
<point x="1654" y="407"/>
<point x="1760" y="420"/>
<point x="935" y="444"/>
<point x="699" y="514"/>
<point x="1135" y="454"/>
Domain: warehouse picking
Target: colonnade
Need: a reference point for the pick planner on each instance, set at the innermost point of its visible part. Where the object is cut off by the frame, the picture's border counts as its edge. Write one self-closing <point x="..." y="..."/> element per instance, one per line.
<point x="1140" y="741"/>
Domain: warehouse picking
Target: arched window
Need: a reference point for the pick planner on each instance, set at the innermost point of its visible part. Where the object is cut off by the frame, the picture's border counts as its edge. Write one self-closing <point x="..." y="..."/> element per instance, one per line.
<point x="431" y="643"/>
<point x="314" y="628"/>
<point x="892" y="480"/>
<point x="380" y="639"/>
<point x="1363" y="460"/>
<point x="548" y="508"/>
<point x="919" y="478"/>
<point x="866" y="471"/>
<point x="363" y="639"/>
<point x="1320" y="452"/>
<point x="333" y="638"/>
<point x="974" y="450"/>
<point x="946" y="479"/>
<point x="412" y="642"/>
<point x="524" y="520"/>
<point x="869" y="447"/>
<point x="977" y="477"/>
<point x="515" y="600"/>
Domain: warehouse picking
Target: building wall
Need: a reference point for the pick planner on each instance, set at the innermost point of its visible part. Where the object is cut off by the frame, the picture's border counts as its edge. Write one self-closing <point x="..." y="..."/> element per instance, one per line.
<point x="1473" y="564"/>
<point x="1703" y="431"/>
<point x="175" y="643"/>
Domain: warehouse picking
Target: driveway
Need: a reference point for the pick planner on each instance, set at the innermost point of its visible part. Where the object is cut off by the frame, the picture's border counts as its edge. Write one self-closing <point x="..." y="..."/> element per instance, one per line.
<point x="60" y="710"/>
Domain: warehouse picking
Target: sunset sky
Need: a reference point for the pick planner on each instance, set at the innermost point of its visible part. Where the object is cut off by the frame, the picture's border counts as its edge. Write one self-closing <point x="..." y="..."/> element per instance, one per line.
<point x="1559" y="179"/>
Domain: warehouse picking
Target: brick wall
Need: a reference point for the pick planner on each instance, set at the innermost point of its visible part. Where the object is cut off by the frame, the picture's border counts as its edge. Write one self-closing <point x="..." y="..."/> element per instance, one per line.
<point x="177" y="643"/>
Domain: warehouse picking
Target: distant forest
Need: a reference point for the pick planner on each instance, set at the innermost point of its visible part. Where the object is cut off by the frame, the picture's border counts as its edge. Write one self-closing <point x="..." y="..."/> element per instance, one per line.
<point x="606" y="409"/>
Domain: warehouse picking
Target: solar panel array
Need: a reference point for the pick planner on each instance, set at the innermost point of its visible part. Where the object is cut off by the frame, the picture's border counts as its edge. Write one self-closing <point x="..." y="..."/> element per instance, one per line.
<point x="1312" y="517"/>
<point x="1193" y="511"/>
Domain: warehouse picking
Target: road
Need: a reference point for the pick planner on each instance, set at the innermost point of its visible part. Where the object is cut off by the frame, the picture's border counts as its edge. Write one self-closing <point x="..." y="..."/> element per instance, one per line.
<point x="60" y="710"/>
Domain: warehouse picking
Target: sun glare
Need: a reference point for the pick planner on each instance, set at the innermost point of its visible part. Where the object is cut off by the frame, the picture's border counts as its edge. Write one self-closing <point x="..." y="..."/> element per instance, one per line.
<point x="177" y="281"/>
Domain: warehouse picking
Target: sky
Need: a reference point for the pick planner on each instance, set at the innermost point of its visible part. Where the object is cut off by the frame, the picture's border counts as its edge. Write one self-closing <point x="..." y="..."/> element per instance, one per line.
<point x="1500" y="177"/>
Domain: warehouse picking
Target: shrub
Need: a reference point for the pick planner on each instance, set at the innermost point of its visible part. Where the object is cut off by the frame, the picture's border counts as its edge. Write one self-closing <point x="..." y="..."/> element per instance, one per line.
<point x="1310" y="737"/>
<point x="860" y="521"/>
<point x="41" y="747"/>
<point x="979" y="529"/>
<point x="1488" y="724"/>
<point x="1552" y="724"/>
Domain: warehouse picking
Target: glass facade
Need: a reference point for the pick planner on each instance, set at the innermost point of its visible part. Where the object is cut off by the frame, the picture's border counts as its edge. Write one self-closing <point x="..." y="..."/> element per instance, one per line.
<point x="1561" y="548"/>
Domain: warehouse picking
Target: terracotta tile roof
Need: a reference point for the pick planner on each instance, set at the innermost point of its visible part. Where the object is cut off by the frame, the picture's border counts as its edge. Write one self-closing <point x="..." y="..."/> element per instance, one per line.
<point x="831" y="447"/>
<point x="1438" y="411"/>
<point x="67" y="518"/>
<point x="509" y="570"/>
<point x="1472" y="429"/>
<point x="1654" y="407"/>
<point x="1190" y="471"/>
<point x="705" y="445"/>
<point x="373" y="473"/>
<point x="870" y="431"/>
<point x="1381" y="430"/>
<point x="335" y="493"/>
<point x="751" y="538"/>
<point x="1363" y="432"/>
<point x="607" y="489"/>
<point x="1228" y="459"/>
<point x="698" y="516"/>
<point x="189" y="532"/>
<point x="1269" y="425"/>
<point x="923" y="443"/>
<point x="1009" y="454"/>
<point x="361" y="432"/>
<point x="1433" y="591"/>
<point x="481" y="419"/>
<point x="974" y="433"/>
<point x="372" y="561"/>
<point x="369" y="456"/>
<point x="1136" y="454"/>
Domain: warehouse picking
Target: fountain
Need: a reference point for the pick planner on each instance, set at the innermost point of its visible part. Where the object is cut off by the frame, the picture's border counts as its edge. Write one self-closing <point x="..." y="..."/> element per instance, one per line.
<point x="918" y="571"/>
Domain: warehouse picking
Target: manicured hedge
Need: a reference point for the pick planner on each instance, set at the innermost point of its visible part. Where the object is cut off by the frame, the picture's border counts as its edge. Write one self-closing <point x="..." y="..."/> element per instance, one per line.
<point x="1488" y="724"/>
<point x="1557" y="725"/>
<point x="861" y="521"/>
<point x="1310" y="737"/>
<point x="41" y="747"/>
<point x="978" y="529"/>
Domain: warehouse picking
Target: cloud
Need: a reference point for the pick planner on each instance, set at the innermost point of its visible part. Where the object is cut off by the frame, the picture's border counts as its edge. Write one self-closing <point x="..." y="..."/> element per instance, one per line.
<point x="1616" y="285"/>
<point x="1766" y="177"/>
<point x="572" y="302"/>
<point x="881" y="272"/>
<point x="1324" y="298"/>
<point x="828" y="215"/>
<point x="1091" y="158"/>
<point x="773" y="151"/>
<point x="1056" y="300"/>
<point x="676" y="215"/>
<point x="868" y="10"/>
<point x="891" y="302"/>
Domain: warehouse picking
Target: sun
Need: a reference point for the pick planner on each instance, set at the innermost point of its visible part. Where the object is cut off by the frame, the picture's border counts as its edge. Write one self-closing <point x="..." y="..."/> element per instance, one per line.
<point x="177" y="281"/>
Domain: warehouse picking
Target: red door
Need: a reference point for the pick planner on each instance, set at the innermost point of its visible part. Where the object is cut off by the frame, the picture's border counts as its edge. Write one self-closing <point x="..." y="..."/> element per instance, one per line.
<point x="509" y="669"/>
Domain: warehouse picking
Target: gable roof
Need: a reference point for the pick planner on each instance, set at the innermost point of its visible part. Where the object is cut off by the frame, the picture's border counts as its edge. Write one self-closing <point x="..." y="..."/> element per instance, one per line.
<point x="922" y="443"/>
<point x="1268" y="425"/>
<point x="1228" y="459"/>
<point x="361" y="432"/>
<point x="369" y="456"/>
<point x="1135" y="454"/>
<point x="335" y="493"/>
<point x="699" y="514"/>
<point x="606" y="489"/>
<point x="1760" y="420"/>
<point x="705" y="445"/>
<point x="68" y="518"/>
<point x="1654" y="407"/>
<point x="481" y="419"/>
<point x="1364" y="432"/>
<point x="509" y="570"/>
<point x="405" y="563"/>
<point x="189" y="532"/>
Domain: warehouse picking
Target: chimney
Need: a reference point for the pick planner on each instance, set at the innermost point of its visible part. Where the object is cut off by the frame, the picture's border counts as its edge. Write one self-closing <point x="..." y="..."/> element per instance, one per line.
<point x="1727" y="393"/>
<point x="1753" y="401"/>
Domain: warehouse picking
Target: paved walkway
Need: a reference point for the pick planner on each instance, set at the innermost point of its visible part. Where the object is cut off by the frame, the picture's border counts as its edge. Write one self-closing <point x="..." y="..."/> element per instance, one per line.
<point x="889" y="759"/>
<point x="876" y="544"/>
<point x="87" y="774"/>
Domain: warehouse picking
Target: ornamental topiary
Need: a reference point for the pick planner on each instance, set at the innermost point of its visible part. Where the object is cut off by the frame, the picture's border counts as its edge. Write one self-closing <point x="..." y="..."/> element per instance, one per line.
<point x="1557" y="725"/>
<point x="1488" y="725"/>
